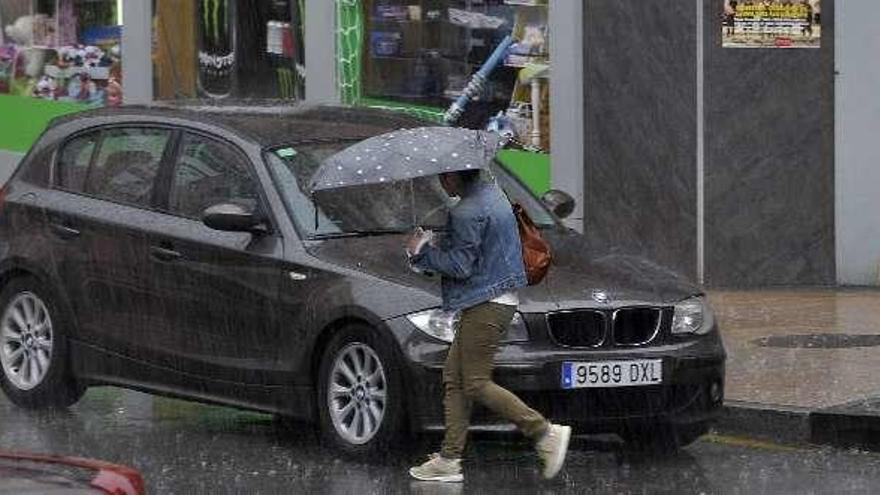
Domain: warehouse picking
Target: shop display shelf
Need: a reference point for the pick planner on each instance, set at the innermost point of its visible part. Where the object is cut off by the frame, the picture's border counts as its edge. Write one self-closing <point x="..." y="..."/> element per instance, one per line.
<point x="526" y="3"/>
<point x="68" y="72"/>
<point x="433" y="22"/>
<point x="416" y="58"/>
<point x="439" y="23"/>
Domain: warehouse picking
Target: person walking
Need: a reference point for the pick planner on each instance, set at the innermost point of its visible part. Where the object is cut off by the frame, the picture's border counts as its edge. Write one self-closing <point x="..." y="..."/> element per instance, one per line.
<point x="808" y="18"/>
<point x="481" y="267"/>
<point x="730" y="16"/>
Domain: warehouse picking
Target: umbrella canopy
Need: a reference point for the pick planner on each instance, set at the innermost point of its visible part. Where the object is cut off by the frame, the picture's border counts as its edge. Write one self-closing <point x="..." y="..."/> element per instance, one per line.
<point x="407" y="154"/>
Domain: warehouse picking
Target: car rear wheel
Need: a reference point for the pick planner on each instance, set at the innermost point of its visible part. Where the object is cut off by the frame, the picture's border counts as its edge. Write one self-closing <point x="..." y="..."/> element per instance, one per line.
<point x="360" y="396"/>
<point x="33" y="348"/>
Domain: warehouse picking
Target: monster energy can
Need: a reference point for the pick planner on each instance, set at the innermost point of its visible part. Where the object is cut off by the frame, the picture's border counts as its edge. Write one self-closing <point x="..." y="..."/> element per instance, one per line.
<point x="217" y="55"/>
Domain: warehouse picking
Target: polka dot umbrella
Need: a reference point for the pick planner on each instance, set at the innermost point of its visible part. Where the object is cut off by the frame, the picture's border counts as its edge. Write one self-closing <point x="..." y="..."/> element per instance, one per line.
<point x="407" y="154"/>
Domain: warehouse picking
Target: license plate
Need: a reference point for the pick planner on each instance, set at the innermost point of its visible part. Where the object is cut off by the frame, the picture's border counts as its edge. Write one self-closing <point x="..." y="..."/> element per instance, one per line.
<point x="602" y="374"/>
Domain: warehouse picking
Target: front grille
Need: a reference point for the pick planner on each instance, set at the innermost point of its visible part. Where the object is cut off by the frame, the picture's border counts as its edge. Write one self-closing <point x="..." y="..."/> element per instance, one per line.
<point x="582" y="328"/>
<point x="636" y="326"/>
<point x="631" y="326"/>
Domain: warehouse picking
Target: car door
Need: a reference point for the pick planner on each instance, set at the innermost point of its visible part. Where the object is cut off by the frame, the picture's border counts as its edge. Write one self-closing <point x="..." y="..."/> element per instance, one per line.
<point x="219" y="289"/>
<point x="102" y="199"/>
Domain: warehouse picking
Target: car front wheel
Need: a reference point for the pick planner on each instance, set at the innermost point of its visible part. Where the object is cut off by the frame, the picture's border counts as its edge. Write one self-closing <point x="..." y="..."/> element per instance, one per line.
<point x="360" y="396"/>
<point x="33" y="348"/>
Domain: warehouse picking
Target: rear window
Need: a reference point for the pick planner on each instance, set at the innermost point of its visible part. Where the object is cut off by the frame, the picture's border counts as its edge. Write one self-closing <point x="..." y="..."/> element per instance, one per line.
<point x="73" y="162"/>
<point x="35" y="167"/>
<point x="127" y="165"/>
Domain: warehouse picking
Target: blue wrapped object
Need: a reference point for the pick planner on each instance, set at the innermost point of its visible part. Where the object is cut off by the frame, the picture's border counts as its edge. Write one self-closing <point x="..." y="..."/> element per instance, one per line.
<point x="101" y="35"/>
<point x="475" y="86"/>
<point x="385" y="43"/>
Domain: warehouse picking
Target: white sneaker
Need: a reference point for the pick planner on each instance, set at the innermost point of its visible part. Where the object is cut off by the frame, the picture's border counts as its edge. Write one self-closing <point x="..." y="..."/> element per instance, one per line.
<point x="438" y="468"/>
<point x="552" y="448"/>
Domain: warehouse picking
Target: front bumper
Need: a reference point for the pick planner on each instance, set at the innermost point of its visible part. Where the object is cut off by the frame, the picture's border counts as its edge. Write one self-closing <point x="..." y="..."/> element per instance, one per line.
<point x="692" y="387"/>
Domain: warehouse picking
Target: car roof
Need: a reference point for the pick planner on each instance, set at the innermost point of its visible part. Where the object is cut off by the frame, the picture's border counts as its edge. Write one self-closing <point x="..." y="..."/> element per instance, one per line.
<point x="267" y="125"/>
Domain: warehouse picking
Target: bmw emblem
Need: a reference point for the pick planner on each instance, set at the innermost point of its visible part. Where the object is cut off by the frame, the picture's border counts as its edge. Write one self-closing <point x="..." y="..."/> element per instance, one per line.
<point x="600" y="296"/>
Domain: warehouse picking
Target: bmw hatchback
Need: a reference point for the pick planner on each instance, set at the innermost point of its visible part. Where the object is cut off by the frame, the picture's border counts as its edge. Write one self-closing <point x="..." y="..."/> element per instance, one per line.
<point x="178" y="251"/>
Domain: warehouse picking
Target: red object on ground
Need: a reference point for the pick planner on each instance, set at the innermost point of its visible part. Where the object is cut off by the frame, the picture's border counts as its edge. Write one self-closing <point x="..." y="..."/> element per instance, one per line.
<point x="112" y="479"/>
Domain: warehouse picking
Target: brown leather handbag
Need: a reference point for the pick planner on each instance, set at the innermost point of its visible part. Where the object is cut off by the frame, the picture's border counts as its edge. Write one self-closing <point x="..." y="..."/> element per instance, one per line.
<point x="536" y="250"/>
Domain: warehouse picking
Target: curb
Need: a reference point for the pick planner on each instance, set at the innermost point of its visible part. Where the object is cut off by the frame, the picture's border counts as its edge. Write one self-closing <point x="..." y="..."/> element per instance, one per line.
<point x="855" y="424"/>
<point x="849" y="425"/>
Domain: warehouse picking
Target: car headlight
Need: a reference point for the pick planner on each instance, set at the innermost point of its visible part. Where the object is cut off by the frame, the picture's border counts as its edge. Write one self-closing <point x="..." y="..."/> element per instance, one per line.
<point x="693" y="316"/>
<point x="436" y="323"/>
<point x="443" y="324"/>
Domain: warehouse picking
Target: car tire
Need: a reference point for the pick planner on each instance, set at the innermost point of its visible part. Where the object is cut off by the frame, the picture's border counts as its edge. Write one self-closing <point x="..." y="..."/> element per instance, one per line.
<point x="364" y="414"/>
<point x="662" y="439"/>
<point x="34" y="359"/>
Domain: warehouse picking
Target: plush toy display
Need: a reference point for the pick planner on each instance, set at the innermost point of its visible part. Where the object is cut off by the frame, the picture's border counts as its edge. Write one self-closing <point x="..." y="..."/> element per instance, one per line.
<point x="46" y="88"/>
<point x="21" y="32"/>
<point x="85" y="56"/>
<point x="7" y="67"/>
<point x="44" y="61"/>
<point x="79" y="73"/>
<point x="92" y="56"/>
<point x="114" y="93"/>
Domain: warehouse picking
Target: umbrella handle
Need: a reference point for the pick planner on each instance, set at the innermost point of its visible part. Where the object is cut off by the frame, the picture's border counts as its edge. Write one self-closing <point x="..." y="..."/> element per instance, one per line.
<point x="412" y="203"/>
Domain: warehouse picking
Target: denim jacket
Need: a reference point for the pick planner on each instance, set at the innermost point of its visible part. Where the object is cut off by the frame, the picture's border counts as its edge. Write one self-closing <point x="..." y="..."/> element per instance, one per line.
<point x="481" y="256"/>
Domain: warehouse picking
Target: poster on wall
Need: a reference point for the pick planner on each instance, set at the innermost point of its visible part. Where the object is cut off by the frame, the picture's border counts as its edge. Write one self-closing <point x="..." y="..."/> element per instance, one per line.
<point x="771" y="23"/>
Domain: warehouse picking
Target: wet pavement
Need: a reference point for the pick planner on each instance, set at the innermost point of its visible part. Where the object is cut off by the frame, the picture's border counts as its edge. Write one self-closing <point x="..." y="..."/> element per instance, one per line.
<point x="802" y="365"/>
<point x="815" y="350"/>
<point x="802" y="348"/>
<point x="189" y="448"/>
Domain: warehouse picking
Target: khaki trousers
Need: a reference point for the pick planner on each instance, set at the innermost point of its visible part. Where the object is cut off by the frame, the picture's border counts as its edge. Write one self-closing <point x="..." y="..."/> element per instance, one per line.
<point x="467" y="377"/>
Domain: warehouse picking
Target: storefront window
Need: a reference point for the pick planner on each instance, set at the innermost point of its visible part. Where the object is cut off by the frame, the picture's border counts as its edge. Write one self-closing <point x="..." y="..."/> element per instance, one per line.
<point x="61" y="50"/>
<point x="219" y="49"/>
<point x="419" y="55"/>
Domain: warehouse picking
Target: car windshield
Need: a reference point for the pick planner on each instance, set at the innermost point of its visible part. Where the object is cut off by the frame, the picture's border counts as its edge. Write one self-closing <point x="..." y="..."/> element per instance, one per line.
<point x="393" y="207"/>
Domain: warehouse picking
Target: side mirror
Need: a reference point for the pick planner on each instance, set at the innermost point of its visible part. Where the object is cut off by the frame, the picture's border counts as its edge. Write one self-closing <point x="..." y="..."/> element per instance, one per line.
<point x="233" y="218"/>
<point x="559" y="202"/>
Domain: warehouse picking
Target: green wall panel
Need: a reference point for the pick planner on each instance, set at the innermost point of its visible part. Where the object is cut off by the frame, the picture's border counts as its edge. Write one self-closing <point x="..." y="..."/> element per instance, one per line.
<point x="22" y="119"/>
<point x="349" y="44"/>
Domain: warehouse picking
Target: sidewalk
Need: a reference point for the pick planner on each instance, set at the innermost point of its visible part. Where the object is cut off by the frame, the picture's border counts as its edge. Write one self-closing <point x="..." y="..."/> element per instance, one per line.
<point x="803" y="365"/>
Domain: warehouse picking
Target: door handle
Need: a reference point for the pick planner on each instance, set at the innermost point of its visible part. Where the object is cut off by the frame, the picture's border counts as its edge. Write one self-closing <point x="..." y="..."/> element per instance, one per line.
<point x="64" y="231"/>
<point x="165" y="254"/>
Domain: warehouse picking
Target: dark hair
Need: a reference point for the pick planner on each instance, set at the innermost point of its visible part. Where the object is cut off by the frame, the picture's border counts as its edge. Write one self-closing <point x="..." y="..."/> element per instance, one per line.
<point x="469" y="176"/>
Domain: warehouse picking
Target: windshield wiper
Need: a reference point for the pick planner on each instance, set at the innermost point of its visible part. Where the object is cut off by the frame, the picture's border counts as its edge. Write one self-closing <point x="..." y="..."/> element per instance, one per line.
<point x="355" y="233"/>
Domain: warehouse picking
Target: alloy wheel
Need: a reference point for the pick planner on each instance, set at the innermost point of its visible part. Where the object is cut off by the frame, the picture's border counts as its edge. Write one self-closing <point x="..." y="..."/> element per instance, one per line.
<point x="356" y="393"/>
<point x="26" y="341"/>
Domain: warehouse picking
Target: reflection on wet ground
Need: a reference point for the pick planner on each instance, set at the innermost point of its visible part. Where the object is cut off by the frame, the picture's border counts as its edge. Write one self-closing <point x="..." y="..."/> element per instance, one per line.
<point x="825" y="350"/>
<point x="184" y="447"/>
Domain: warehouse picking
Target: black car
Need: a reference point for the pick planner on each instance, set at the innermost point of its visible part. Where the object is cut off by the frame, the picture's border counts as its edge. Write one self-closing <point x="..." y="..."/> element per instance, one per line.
<point x="176" y="251"/>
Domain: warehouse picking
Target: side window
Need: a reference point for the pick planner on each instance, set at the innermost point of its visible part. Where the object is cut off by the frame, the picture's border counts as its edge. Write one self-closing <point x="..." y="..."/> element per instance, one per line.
<point x="127" y="164"/>
<point x="207" y="173"/>
<point x="73" y="162"/>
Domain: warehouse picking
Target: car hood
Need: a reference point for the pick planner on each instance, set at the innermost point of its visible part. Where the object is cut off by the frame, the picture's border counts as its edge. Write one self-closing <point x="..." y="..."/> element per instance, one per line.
<point x="576" y="279"/>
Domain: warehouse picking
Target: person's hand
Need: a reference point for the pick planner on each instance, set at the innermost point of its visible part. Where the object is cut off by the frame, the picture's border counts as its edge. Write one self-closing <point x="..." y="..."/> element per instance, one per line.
<point x="414" y="240"/>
